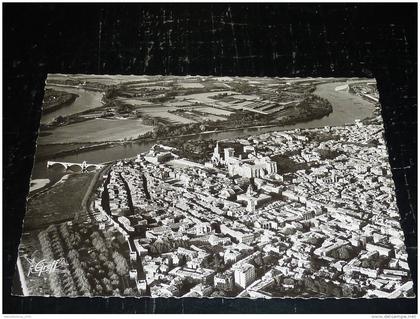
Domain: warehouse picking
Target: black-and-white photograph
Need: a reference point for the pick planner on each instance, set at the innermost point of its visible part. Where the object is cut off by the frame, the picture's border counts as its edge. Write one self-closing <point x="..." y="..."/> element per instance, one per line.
<point x="206" y="186"/>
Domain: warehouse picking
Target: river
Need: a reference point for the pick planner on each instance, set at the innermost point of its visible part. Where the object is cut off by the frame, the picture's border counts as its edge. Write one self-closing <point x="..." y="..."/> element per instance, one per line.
<point x="86" y="100"/>
<point x="347" y="107"/>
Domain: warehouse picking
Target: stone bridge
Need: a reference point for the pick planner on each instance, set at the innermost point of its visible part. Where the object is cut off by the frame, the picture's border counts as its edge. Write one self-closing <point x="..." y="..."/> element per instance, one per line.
<point x="84" y="166"/>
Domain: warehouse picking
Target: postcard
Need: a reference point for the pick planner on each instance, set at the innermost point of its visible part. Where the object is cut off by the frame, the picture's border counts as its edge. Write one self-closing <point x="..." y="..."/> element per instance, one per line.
<point x="206" y="186"/>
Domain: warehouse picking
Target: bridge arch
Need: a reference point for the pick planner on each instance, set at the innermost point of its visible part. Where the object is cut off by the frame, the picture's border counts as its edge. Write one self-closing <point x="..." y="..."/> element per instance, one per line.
<point x="51" y="164"/>
<point x="74" y="166"/>
<point x="83" y="166"/>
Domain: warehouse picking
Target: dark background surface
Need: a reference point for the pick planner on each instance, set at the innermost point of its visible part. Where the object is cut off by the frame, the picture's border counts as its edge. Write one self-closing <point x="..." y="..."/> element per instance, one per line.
<point x="377" y="40"/>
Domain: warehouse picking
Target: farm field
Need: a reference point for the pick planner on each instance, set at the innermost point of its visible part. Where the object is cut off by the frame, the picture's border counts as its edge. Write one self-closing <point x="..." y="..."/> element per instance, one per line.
<point x="135" y="102"/>
<point x="192" y="85"/>
<point x="213" y="110"/>
<point x="162" y="112"/>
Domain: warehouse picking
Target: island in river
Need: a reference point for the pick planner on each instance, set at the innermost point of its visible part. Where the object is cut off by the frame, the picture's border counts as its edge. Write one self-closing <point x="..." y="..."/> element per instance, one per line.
<point x="120" y="116"/>
<point x="156" y="106"/>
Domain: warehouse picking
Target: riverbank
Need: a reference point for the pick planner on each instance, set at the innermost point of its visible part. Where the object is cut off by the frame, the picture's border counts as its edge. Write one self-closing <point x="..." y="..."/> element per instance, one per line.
<point x="310" y="109"/>
<point x="73" y="148"/>
<point x="85" y="100"/>
<point x="37" y="184"/>
<point x="346" y="109"/>
<point x="47" y="186"/>
<point x="54" y="100"/>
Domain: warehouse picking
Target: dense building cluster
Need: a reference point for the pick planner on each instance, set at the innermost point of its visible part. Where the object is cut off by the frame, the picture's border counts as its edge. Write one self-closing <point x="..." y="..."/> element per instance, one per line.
<point x="243" y="224"/>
